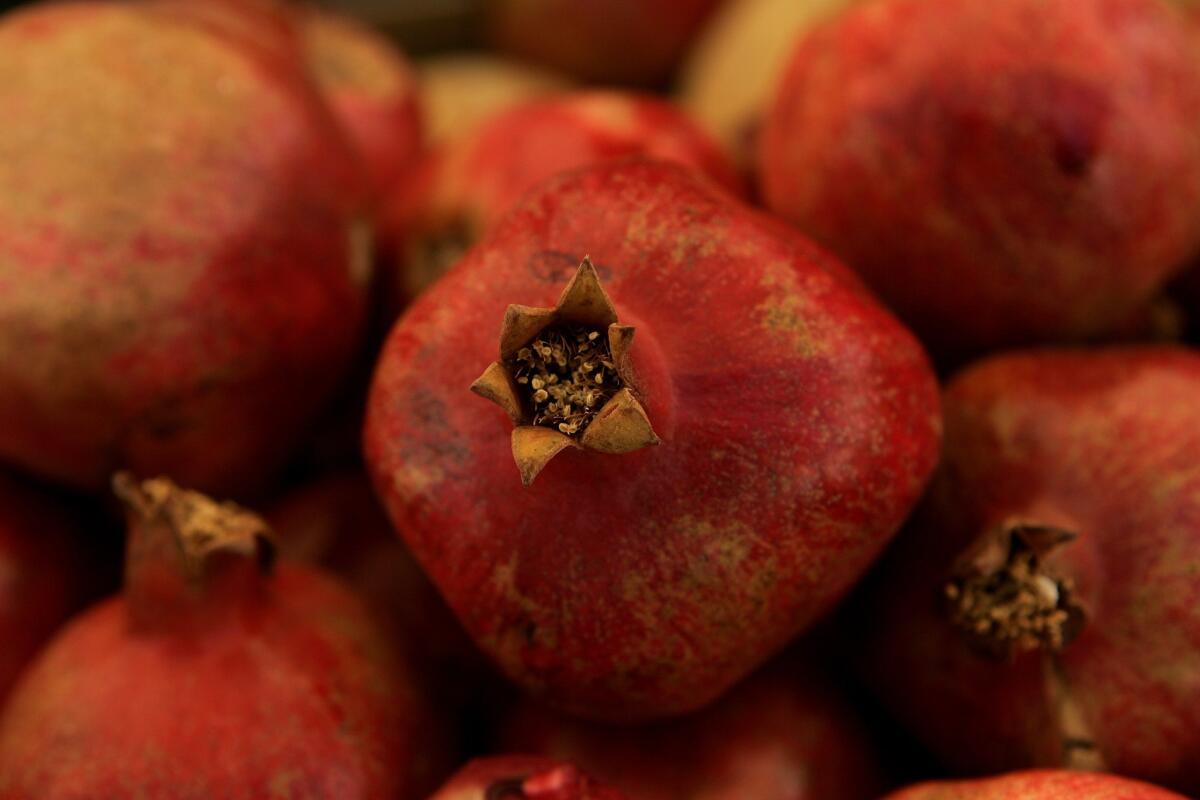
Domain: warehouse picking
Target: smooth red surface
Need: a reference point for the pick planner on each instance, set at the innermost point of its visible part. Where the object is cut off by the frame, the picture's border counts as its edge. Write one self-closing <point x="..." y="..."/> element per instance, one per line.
<point x="180" y="286"/>
<point x="1038" y="785"/>
<point x="1103" y="443"/>
<point x="1000" y="172"/>
<point x="783" y="734"/>
<point x="798" y="421"/>
<point x="539" y="779"/>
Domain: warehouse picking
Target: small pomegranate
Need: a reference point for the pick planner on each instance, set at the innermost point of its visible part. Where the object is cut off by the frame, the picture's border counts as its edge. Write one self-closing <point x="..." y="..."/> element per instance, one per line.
<point x="211" y="676"/>
<point x="41" y="574"/>
<point x="181" y="269"/>
<point x="463" y="189"/>
<point x="523" y="778"/>
<point x="618" y="41"/>
<point x="461" y="90"/>
<point x="704" y="491"/>
<point x="371" y="88"/>
<point x="1000" y="173"/>
<point x="783" y="734"/>
<point x="1038" y="785"/>
<point x="1041" y="608"/>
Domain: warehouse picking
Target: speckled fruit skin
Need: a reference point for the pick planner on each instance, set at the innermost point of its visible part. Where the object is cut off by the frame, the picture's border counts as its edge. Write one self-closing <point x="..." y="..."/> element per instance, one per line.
<point x="1000" y="173"/>
<point x="1038" y="785"/>
<point x="798" y="420"/>
<point x="470" y="183"/>
<point x="180" y="279"/>
<point x="634" y="42"/>
<point x="1103" y="443"/>
<point x="41" y="574"/>
<point x="551" y="780"/>
<point x="250" y="687"/>
<point x="783" y="734"/>
<point x="371" y="88"/>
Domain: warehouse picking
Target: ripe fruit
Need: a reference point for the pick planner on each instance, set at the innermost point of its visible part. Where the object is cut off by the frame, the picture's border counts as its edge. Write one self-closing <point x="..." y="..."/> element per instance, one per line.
<point x="1000" y="173"/>
<point x="617" y="41"/>
<point x="371" y="89"/>
<point x="181" y="277"/>
<point x="1038" y="785"/>
<point x="466" y="187"/>
<point x="783" y="734"/>
<point x="523" y="778"/>
<point x="796" y="423"/>
<point x="41" y="574"/>
<point x="210" y="676"/>
<point x="1040" y="609"/>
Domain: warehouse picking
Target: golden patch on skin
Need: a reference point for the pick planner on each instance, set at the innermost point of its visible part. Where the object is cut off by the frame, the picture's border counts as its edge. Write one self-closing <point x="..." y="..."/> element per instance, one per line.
<point x="607" y="111"/>
<point x="344" y="57"/>
<point x="411" y="480"/>
<point x="784" y="313"/>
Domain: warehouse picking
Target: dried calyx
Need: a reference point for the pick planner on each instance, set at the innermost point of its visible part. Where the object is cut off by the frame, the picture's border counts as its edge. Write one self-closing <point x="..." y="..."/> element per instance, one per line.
<point x="1002" y="598"/>
<point x="564" y="378"/>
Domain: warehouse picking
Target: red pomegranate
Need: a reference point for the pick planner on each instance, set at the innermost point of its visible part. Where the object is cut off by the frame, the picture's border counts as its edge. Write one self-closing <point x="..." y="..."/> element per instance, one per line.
<point x="463" y="189"/>
<point x="41" y="574"/>
<point x="616" y="41"/>
<point x="523" y="778"/>
<point x="371" y="88"/>
<point x="1038" y="785"/>
<point x="1000" y="173"/>
<point x="181" y="272"/>
<point x="721" y="479"/>
<point x="212" y="676"/>
<point x="1042" y="608"/>
<point x="783" y="734"/>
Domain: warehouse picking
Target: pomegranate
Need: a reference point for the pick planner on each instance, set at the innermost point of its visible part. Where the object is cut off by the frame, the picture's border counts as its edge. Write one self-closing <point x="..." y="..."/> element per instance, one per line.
<point x="181" y="272"/>
<point x="1018" y="622"/>
<point x="617" y="41"/>
<point x="784" y="734"/>
<point x="371" y="88"/>
<point x="718" y="482"/>
<point x="41" y="573"/>
<point x="463" y="189"/>
<point x="211" y="676"/>
<point x="1038" y="785"/>
<point x="523" y="778"/>
<point x="1000" y="173"/>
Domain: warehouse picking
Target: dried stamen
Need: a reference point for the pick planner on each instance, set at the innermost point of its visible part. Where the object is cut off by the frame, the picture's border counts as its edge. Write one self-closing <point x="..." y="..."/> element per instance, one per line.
<point x="566" y="374"/>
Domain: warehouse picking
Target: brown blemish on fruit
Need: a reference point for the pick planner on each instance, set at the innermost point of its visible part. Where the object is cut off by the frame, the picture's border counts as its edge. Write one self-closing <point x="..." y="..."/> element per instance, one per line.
<point x="783" y="312"/>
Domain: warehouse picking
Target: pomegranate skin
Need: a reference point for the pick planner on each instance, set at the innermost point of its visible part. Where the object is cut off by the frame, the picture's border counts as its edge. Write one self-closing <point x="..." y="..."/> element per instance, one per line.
<point x="783" y="734"/>
<point x="642" y="585"/>
<point x="616" y="41"/>
<point x="523" y="778"/>
<point x="462" y="189"/>
<point x="1101" y="443"/>
<point x="239" y="686"/>
<point x="1038" y="785"/>
<point x="41" y="574"/>
<point x="181" y="273"/>
<point x="371" y="88"/>
<point x="1001" y="173"/>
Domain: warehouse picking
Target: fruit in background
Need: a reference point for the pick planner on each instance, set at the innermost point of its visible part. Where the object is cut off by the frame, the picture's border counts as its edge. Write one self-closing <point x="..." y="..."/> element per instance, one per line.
<point x="637" y="42"/>
<point x="1037" y="785"/>
<point x="523" y="778"/>
<point x="783" y="734"/>
<point x="1041" y="607"/>
<point x="461" y="90"/>
<point x="999" y="172"/>
<point x="730" y="75"/>
<point x="42" y="576"/>
<point x="797" y="421"/>
<point x="198" y="681"/>
<point x="464" y="188"/>
<point x="372" y="89"/>
<point x="181" y="272"/>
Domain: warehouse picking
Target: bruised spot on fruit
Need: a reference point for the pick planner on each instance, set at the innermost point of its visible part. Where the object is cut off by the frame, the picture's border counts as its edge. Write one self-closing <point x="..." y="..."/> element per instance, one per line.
<point x="1004" y="601"/>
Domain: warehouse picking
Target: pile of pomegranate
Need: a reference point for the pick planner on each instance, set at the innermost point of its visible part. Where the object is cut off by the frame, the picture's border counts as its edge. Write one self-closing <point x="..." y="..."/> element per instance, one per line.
<point x="623" y="400"/>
